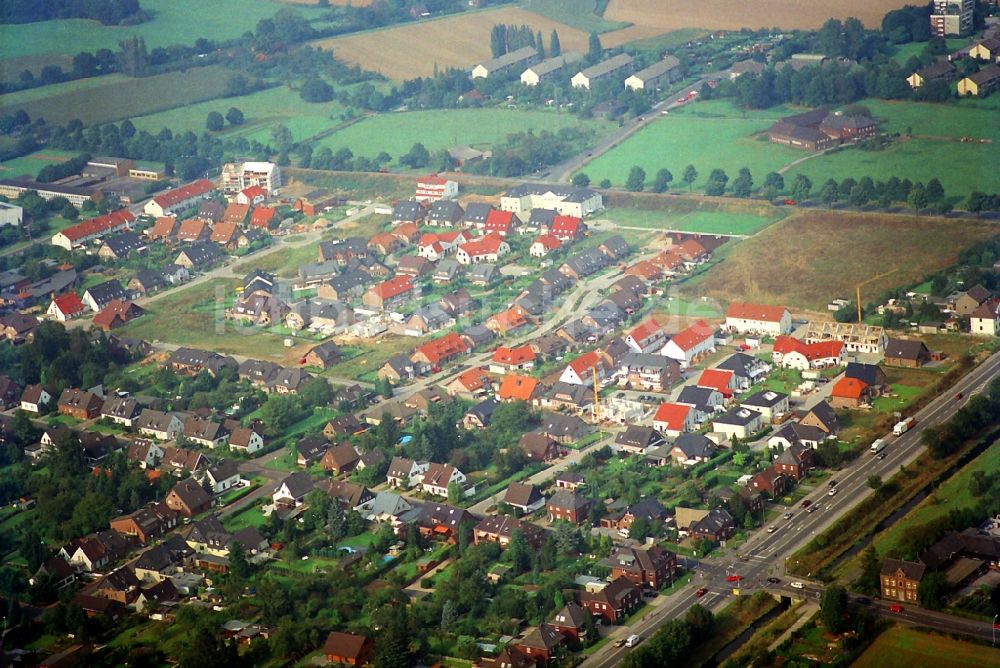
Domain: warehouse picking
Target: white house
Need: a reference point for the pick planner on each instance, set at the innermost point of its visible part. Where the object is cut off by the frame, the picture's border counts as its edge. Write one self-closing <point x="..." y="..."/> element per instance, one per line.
<point x="654" y="76"/>
<point x="738" y="423"/>
<point x="790" y="353"/>
<point x="605" y="69"/>
<point x="548" y="69"/>
<point x="223" y="476"/>
<point x="438" y="477"/>
<point x="564" y="200"/>
<point x="159" y="425"/>
<point x="406" y="473"/>
<point x="504" y="64"/>
<point x="581" y="370"/>
<point x="245" y="440"/>
<point x="33" y="398"/>
<point x="691" y="343"/>
<point x="646" y="337"/>
<point x="489" y="248"/>
<point x="544" y="245"/>
<point x="672" y="420"/>
<point x="178" y="199"/>
<point x="758" y="319"/>
<point x="767" y="403"/>
<point x="985" y="320"/>
<point x="433" y="188"/>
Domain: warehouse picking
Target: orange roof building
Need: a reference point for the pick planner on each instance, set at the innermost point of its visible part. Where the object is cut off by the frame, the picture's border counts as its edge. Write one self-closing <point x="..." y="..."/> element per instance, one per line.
<point x="791" y="353"/>
<point x="515" y="387"/>
<point x="722" y="380"/>
<point x="512" y="359"/>
<point x="691" y="343"/>
<point x="674" y="419"/>
<point x="759" y="319"/>
<point x="440" y="351"/>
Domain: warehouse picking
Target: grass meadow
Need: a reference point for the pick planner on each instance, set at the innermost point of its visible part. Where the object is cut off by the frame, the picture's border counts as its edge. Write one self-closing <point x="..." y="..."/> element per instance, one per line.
<point x="395" y="133"/>
<point x="904" y="647"/>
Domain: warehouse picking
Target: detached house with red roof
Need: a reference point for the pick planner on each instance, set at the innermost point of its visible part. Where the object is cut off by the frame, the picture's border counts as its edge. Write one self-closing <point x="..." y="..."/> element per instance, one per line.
<point x="791" y="353"/>
<point x="674" y="419"/>
<point x="646" y="337"/>
<point x="544" y="245"/>
<point x="435" y="246"/>
<point x="251" y="196"/>
<point x="723" y="381"/>
<point x="851" y="393"/>
<point x="690" y="344"/>
<point x="758" y="319"/>
<point x="581" y="370"/>
<point x="117" y="313"/>
<point x="508" y="322"/>
<point x="515" y="387"/>
<point x="263" y="218"/>
<point x="66" y="307"/>
<point x="489" y="248"/>
<point x="440" y="351"/>
<point x="390" y="293"/>
<point x="498" y="222"/>
<point x="567" y="228"/>
<point x="520" y="358"/>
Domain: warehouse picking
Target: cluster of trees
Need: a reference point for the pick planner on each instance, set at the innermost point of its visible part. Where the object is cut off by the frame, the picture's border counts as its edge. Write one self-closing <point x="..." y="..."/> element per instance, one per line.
<point x="981" y="411"/>
<point x="527" y="152"/>
<point x="108" y="12"/>
<point x="673" y="642"/>
<point x="506" y="38"/>
<point x="215" y="121"/>
<point x="908" y="24"/>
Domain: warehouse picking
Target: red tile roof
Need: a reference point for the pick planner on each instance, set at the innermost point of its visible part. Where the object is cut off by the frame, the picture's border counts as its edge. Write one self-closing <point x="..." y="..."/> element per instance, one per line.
<point x="117" y="313"/>
<point x="515" y="387"/>
<point x="253" y="192"/>
<point x="811" y="351"/>
<point x="393" y="287"/>
<point x="548" y="242"/>
<point x="644" y="269"/>
<point x="688" y="338"/>
<point x="448" y="346"/>
<point x="514" y="356"/>
<point x="99" y="225"/>
<point x="69" y="304"/>
<point x="473" y="379"/>
<point x="672" y="415"/>
<point x="748" y="311"/>
<point x="584" y="362"/>
<point x="185" y="192"/>
<point x="236" y="213"/>
<point x="644" y="330"/>
<point x="192" y="228"/>
<point x="717" y="379"/>
<point x="224" y="233"/>
<point x="262" y="216"/>
<point x="431" y="180"/>
<point x="849" y="388"/>
<point x="565" y="226"/>
<point x="486" y="245"/>
<point x="162" y="228"/>
<point x="512" y="318"/>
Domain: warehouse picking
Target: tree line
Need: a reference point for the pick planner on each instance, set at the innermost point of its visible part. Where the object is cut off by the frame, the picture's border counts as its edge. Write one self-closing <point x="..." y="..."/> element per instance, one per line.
<point x="107" y="12"/>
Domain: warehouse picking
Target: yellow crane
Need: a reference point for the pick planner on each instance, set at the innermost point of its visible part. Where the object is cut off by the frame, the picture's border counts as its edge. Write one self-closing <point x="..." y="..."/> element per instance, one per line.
<point x="864" y="283"/>
<point x="597" y="398"/>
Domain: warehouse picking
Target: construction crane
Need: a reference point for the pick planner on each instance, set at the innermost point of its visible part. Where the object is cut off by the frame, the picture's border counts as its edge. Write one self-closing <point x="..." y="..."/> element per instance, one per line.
<point x="597" y="398"/>
<point x="864" y="283"/>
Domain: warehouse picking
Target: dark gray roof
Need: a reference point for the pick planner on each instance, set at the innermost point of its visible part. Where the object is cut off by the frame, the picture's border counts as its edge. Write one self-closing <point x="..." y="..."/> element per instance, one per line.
<point x="104" y="293"/>
<point x="476" y="212"/>
<point x="740" y="364"/>
<point x="765" y="399"/>
<point x="124" y="243"/>
<point x="695" y="445"/>
<point x="638" y="436"/>
<point x="407" y="210"/>
<point x="446" y="210"/>
<point x="203" y="254"/>
<point x="738" y="416"/>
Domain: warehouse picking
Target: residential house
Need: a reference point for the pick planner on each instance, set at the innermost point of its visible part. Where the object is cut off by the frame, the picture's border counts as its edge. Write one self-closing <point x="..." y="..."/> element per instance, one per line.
<point x="35" y="398"/>
<point x="483" y="275"/>
<point x="340" y="459"/>
<point x="564" y="200"/>
<point x="651" y="567"/>
<point x="614" y="66"/>
<point x="674" y="419"/>
<point x="102" y="294"/>
<point x="985" y="320"/>
<point x="541" y="644"/>
<point x="348" y="494"/>
<point x="408" y="211"/>
<point x="488" y="248"/>
<point x="183" y="460"/>
<point x="768" y="403"/>
<point x="406" y="473"/>
<point x="791" y="353"/>
<point x="193" y="230"/>
<point x="524" y="497"/>
<point x="116" y="314"/>
<point x="795" y="461"/>
<point x="648" y="371"/>
<point x="908" y="353"/>
<point x="515" y="387"/>
<point x="691" y="449"/>
<point x="509" y="322"/>
<point x="646" y="337"/>
<point x="222" y="476"/>
<point x="718" y="525"/>
<point x="656" y="75"/>
<point x="771" y="481"/>
<point x="506" y="64"/>
<point x="440" y="351"/>
<point x="568" y="506"/>
<point x="544" y="245"/>
<point x="939" y="70"/>
<point x="479" y="416"/>
<point x="79" y="404"/>
<point x="822" y="416"/>
<point x="472" y="385"/>
<point x="147" y="523"/>
<point x="119" y="247"/>
<point x="637" y="439"/>
<point x="500" y="529"/>
<point x="200" y="256"/>
<point x="348" y="649"/>
<point x="292" y="490"/>
<point x="792" y="433"/>
<point x="548" y="69"/>
<point x="982" y="83"/>
<point x="477" y="336"/>
<point x="121" y="410"/>
<point x="397" y="368"/>
<point x="539" y="447"/>
<point x="739" y="423"/>
<point x="758" y="319"/>
<point x="324" y="355"/>
<point x="310" y="450"/>
<point x="900" y="579"/>
<point x="571" y="622"/>
<point x="391" y="293"/>
<point x="188" y="498"/>
<point x="439" y="477"/>
<point x="690" y="344"/>
<point x="563" y="428"/>
<point x="613" y="602"/>
<point x="158" y="425"/>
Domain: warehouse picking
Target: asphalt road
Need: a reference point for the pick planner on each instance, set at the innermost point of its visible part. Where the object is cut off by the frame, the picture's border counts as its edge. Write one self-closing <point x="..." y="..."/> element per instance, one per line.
<point x="764" y="554"/>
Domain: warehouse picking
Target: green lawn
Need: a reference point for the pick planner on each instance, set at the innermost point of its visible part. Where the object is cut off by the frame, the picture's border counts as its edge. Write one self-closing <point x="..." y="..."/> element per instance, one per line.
<point x="31" y="94"/>
<point x="904" y="647"/>
<point x="951" y="495"/>
<point x="261" y="110"/>
<point x="705" y="134"/>
<point x="250" y="517"/>
<point x="933" y="152"/>
<point x="174" y="22"/>
<point x="395" y="133"/>
<point x="578" y="14"/>
<point x="905" y="51"/>
<point x="687" y="308"/>
<point x="705" y="222"/>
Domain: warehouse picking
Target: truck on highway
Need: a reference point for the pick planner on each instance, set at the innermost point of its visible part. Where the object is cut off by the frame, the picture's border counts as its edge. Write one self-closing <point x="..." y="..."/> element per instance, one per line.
<point x="903" y="426"/>
<point x="878" y="445"/>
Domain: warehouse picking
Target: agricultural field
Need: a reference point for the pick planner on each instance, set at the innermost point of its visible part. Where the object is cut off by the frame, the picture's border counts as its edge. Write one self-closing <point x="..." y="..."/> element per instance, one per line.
<point x="132" y="97"/>
<point x="827" y="253"/>
<point x="708" y="221"/>
<point x="707" y="135"/>
<point x="934" y="150"/>
<point x="453" y="41"/>
<point x="30" y="164"/>
<point x="580" y="14"/>
<point x="903" y="647"/>
<point x="174" y="22"/>
<point x="262" y="110"/>
<point x="395" y="133"/>
<point x="666" y="15"/>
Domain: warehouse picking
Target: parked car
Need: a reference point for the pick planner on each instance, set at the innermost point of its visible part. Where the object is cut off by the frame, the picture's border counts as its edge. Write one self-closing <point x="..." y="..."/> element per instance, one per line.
<point x="797" y="585"/>
<point x="895" y="608"/>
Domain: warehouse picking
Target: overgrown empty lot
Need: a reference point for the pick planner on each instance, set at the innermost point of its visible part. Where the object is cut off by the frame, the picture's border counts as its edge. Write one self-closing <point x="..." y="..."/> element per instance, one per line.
<point x="815" y="256"/>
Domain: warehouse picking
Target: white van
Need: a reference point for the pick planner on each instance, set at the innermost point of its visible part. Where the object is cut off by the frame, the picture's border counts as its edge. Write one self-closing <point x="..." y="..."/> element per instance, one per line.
<point x="797" y="585"/>
<point x="632" y="640"/>
<point x="877" y="445"/>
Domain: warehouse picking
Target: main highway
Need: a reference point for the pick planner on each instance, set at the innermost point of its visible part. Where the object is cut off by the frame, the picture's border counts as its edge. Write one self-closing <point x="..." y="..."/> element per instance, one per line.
<point x="765" y="553"/>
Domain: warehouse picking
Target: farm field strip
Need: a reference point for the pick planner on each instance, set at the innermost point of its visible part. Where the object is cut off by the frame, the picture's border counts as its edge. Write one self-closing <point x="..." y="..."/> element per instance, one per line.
<point x="453" y="41"/>
<point x="133" y="97"/>
<point x="720" y="14"/>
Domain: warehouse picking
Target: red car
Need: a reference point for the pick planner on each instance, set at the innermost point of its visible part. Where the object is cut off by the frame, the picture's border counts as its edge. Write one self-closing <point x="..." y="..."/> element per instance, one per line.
<point x="895" y="608"/>
<point x="701" y="592"/>
<point x="733" y="578"/>
<point x="790" y="202"/>
<point x="958" y="396"/>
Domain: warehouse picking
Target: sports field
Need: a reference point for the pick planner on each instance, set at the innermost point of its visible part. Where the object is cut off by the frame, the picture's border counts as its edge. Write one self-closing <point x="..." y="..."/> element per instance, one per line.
<point x="261" y="111"/>
<point x="131" y="97"/>
<point x="395" y="133"/>
<point x="30" y="164"/>
<point x="828" y="253"/>
<point x="707" y="135"/>
<point x="454" y="41"/>
<point x="665" y="15"/>
<point x="174" y="22"/>
<point x="903" y="647"/>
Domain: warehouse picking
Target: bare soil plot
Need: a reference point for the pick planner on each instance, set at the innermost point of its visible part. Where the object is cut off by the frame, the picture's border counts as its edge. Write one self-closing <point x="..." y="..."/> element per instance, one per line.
<point x="667" y="15"/>
<point x="413" y="50"/>
<point x="815" y="256"/>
